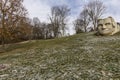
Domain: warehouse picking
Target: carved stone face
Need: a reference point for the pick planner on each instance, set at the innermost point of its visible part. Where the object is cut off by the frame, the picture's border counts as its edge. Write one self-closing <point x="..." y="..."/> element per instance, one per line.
<point x="106" y="26"/>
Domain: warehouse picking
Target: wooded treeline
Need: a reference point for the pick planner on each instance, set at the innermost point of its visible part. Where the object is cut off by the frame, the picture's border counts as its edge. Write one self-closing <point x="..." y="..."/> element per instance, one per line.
<point x="15" y="26"/>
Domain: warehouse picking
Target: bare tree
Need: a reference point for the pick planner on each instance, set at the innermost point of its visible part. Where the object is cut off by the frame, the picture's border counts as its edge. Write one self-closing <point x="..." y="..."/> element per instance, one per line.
<point x="58" y="19"/>
<point x="49" y="33"/>
<point x="40" y="30"/>
<point x="85" y="19"/>
<point x="24" y="29"/>
<point x="95" y="10"/>
<point x="36" y="22"/>
<point x="82" y="22"/>
<point x="79" y="25"/>
<point x="10" y="11"/>
<point x="37" y="32"/>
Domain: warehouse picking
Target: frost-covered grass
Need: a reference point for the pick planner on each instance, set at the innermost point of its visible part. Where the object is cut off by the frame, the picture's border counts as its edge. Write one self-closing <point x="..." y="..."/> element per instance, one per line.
<point x="79" y="57"/>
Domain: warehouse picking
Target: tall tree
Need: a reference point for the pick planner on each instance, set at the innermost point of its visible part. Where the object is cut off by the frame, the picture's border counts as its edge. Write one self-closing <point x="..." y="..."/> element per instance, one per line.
<point x="85" y="19"/>
<point x="37" y="33"/>
<point x="11" y="12"/>
<point x="95" y="10"/>
<point x="23" y="30"/>
<point x="79" y="25"/>
<point x="58" y="19"/>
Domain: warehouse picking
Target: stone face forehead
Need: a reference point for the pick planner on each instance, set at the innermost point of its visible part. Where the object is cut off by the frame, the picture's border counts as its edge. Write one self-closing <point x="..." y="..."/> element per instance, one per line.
<point x="106" y="20"/>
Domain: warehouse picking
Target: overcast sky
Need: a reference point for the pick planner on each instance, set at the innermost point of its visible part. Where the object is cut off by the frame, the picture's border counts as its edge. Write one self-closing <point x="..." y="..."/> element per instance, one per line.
<point x="41" y="8"/>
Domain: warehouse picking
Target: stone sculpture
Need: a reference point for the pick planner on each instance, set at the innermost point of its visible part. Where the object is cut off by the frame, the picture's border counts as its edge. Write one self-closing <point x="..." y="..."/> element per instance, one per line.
<point x="107" y="26"/>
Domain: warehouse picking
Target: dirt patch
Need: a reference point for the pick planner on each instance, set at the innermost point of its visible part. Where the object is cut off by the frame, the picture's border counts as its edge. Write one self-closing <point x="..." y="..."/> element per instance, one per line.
<point x="4" y="66"/>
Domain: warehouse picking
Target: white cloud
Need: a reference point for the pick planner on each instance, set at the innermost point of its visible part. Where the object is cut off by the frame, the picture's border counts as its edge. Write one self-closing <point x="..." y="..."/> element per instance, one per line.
<point x="113" y="9"/>
<point x="41" y="8"/>
<point x="37" y="8"/>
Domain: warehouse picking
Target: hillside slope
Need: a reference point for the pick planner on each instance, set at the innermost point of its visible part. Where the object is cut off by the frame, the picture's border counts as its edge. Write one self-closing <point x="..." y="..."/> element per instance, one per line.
<point x="79" y="57"/>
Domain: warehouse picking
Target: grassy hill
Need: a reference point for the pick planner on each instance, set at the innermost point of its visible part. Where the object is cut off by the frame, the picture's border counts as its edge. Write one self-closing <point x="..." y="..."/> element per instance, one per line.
<point x="79" y="57"/>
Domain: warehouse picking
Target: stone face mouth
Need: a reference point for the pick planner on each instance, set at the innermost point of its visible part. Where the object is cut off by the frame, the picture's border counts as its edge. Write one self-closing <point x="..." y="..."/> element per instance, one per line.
<point x="105" y="29"/>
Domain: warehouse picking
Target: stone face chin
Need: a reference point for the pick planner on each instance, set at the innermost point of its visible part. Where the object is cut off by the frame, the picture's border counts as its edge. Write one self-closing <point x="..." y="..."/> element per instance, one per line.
<point x="106" y="32"/>
<point x="107" y="26"/>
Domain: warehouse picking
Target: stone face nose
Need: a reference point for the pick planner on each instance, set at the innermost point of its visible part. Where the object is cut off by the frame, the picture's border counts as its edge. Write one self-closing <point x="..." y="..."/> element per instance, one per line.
<point x="103" y="27"/>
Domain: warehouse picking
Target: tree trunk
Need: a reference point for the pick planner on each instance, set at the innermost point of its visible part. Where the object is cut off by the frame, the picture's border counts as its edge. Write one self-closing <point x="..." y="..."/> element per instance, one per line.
<point x="3" y="31"/>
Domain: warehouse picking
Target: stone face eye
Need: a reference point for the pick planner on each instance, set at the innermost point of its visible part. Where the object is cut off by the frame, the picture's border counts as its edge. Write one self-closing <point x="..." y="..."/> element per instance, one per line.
<point x="108" y="24"/>
<point x="100" y="24"/>
<point x="113" y="26"/>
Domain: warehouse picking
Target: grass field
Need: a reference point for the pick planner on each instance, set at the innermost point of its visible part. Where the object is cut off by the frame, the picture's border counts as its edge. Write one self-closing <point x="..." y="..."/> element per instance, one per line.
<point x="78" y="57"/>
